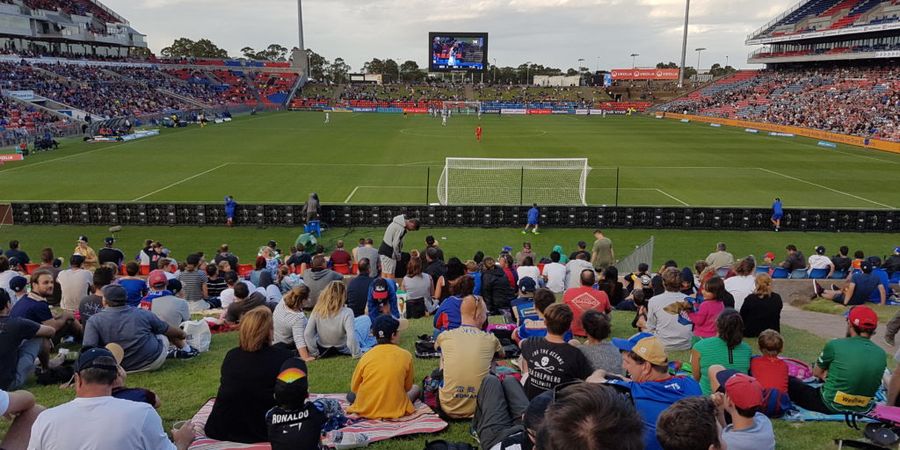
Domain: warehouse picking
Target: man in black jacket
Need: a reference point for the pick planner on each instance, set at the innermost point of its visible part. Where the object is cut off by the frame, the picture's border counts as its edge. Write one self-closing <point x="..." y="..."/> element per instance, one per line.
<point x="495" y="288"/>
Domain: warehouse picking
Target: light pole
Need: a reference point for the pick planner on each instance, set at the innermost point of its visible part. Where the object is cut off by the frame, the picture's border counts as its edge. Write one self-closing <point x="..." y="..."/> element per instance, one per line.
<point x="699" y="52"/>
<point x="495" y="70"/>
<point x="687" y="15"/>
<point x="399" y="73"/>
<point x="726" y="60"/>
<point x="633" y="56"/>
<point x="580" y="73"/>
<point x="527" y="71"/>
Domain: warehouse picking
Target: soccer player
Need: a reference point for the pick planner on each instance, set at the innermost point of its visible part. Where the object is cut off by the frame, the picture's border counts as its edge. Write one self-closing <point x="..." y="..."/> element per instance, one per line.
<point x="478" y="132"/>
<point x="777" y="213"/>
<point x="478" y="110"/>
<point x="533" y="215"/>
<point x="327" y="117"/>
<point x="444" y="119"/>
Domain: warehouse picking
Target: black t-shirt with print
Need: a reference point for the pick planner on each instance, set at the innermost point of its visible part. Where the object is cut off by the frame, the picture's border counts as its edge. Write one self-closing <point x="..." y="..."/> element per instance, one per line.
<point x="551" y="364"/>
<point x="293" y="429"/>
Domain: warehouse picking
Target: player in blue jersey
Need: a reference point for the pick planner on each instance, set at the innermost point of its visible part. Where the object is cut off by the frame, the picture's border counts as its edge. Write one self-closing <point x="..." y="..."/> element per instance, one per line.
<point x="533" y="214"/>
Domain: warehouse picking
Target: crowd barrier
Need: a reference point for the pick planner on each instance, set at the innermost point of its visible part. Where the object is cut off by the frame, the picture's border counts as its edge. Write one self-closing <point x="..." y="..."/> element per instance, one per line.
<point x="172" y="214"/>
<point x="893" y="147"/>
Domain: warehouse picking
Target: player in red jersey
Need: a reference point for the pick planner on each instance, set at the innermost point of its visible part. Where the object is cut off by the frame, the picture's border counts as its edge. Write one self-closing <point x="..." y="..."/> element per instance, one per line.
<point x="478" y="132"/>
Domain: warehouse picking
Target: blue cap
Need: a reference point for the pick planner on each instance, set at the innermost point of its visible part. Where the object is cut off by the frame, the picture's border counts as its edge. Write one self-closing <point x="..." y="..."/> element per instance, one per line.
<point x="896" y="249"/>
<point x="527" y="284"/>
<point x="626" y="345"/>
<point x="506" y="249"/>
<point x="91" y="359"/>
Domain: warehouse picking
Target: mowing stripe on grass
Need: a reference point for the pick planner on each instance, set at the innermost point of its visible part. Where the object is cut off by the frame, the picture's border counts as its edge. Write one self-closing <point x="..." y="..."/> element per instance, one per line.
<point x="825" y="187"/>
<point x="182" y="181"/>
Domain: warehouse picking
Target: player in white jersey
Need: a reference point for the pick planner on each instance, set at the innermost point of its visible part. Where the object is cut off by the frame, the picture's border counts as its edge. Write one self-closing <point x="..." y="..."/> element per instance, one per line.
<point x="327" y="117"/>
<point x="478" y="108"/>
<point x="444" y="120"/>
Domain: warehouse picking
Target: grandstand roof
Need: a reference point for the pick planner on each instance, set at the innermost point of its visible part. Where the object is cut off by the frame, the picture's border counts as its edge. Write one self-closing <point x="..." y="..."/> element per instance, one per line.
<point x="811" y="19"/>
<point x="83" y="21"/>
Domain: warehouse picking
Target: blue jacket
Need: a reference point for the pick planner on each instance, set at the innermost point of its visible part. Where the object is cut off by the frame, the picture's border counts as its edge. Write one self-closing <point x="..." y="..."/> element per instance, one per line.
<point x="651" y="398"/>
<point x="374" y="310"/>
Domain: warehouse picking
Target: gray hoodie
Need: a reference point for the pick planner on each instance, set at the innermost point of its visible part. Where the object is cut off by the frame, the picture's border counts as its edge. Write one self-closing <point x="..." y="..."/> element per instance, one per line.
<point x="392" y="244"/>
<point x="316" y="281"/>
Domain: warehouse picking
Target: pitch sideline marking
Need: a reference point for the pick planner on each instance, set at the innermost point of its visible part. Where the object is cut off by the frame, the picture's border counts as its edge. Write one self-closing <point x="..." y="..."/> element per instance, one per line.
<point x="352" y="193"/>
<point x="672" y="197"/>
<point x="182" y="181"/>
<point x="824" y="187"/>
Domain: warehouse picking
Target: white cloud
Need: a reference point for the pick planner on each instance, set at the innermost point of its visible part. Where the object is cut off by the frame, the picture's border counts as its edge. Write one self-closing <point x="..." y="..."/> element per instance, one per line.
<point x="550" y="32"/>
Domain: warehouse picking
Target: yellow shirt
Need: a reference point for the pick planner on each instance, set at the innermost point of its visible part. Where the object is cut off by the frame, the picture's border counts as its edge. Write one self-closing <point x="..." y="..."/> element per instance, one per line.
<point x="90" y="257"/>
<point x="380" y="381"/>
<point x="467" y="354"/>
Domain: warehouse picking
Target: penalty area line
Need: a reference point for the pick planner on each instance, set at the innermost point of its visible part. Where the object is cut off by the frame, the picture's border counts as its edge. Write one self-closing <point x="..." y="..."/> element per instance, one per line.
<point x="181" y="181"/>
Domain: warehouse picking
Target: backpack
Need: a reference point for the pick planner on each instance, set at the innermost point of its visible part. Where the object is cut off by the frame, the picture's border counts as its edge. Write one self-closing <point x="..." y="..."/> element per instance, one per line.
<point x="425" y="348"/>
<point x="797" y="369"/>
<point x="431" y="386"/>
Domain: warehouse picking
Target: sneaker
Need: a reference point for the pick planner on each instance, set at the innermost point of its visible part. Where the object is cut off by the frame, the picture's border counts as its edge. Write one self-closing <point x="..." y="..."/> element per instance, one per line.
<point x="177" y="353"/>
<point x="524" y="232"/>
<point x="535" y="232"/>
<point x="349" y="440"/>
<point x="817" y="290"/>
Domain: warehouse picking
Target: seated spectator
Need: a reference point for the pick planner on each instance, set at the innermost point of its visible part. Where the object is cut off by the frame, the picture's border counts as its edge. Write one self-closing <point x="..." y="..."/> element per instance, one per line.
<point x="294" y="422"/>
<point x="640" y="280"/>
<point x="434" y="264"/>
<point x="554" y="274"/>
<point x="290" y="322"/>
<point x="704" y="319"/>
<point x="21" y="340"/>
<point x="332" y="327"/>
<point x="95" y="418"/>
<point x="15" y="252"/>
<point x="466" y="356"/>
<point x="610" y="284"/>
<point x="317" y="277"/>
<point x="651" y="387"/>
<point x="525" y="253"/>
<point x="656" y="282"/>
<point x="582" y="249"/>
<point x="575" y="267"/>
<point x="589" y="417"/>
<point x="340" y="256"/>
<point x="371" y="253"/>
<point x="156" y="283"/>
<point x="474" y="273"/>
<point x="431" y="242"/>
<point x="92" y="304"/>
<point x="688" y="287"/>
<point x="602" y="355"/>
<point x="770" y="370"/>
<point x="193" y="282"/>
<point x="21" y="408"/>
<point x="690" y="424"/>
<point x="382" y="384"/>
<point x="640" y="316"/>
<point x="762" y="308"/>
<point x="862" y="286"/>
<point x="504" y="418"/>
<point x="358" y="288"/>
<point x="110" y="254"/>
<point x="134" y="286"/>
<point x="892" y="263"/>
<point x="258" y="268"/>
<point x="505" y="261"/>
<point x="172" y="309"/>
<point x="495" y="287"/>
<point x="215" y="284"/>
<point x="523" y="306"/>
<point x="851" y="369"/>
<point x="247" y="386"/>
<point x="720" y="258"/>
<point x="795" y="263"/>
<point x="727" y="349"/>
<point x="144" y="336"/>
<point x="533" y="321"/>
<point x="549" y="361"/>
<point x="448" y="315"/>
<point x="842" y="261"/>
<point x="75" y="283"/>
<point x="383" y="299"/>
<point x="742" y="283"/>
<point x="419" y="289"/>
<point x="244" y="301"/>
<point x="585" y="298"/>
<point x="664" y="314"/>
<point x="528" y="269"/>
<point x="819" y="261"/>
<point x="35" y="308"/>
<point x="18" y="286"/>
<point x="455" y="270"/>
<point x="742" y="398"/>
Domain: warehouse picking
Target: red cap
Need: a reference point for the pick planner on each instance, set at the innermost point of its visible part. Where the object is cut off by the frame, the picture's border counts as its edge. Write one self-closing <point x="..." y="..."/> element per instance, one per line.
<point x="744" y="391"/>
<point x="770" y="255"/>
<point x="156" y="278"/>
<point x="863" y="317"/>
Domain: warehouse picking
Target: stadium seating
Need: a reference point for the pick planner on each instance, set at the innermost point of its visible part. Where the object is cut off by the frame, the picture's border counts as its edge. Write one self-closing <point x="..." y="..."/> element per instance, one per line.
<point x="821" y="15"/>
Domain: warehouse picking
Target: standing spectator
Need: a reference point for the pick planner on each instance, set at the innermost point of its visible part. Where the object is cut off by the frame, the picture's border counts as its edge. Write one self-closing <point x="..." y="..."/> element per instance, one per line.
<point x="550" y="361"/>
<point x="290" y="322"/>
<point x="527" y="269"/>
<point x="75" y="283"/>
<point x="310" y="209"/>
<point x="842" y="261"/>
<point x="193" y="282"/>
<point x="690" y="424"/>
<point x="777" y="213"/>
<point x="90" y="256"/>
<point x="246" y="389"/>
<point x="95" y="418"/>
<point x="762" y="309"/>
<point x="391" y="249"/>
<point x="15" y="252"/>
<point x="555" y="274"/>
<point x="602" y="355"/>
<point x="819" y="261"/>
<point x="852" y="369"/>
<point x="743" y="283"/>
<point x="134" y="286"/>
<point x="172" y="309"/>
<point x="602" y="254"/>
<point x="382" y="383"/>
<point x="664" y="317"/>
<point x="371" y="253"/>
<point x="495" y="288"/>
<point x="533" y="215"/>
<point x="704" y="319"/>
<point x="795" y="263"/>
<point x="317" y="277"/>
<point x="526" y="252"/>
<point x="861" y="287"/>
<point x="110" y="254"/>
<point x="727" y="349"/>
<point x="720" y="258"/>
<point x="358" y="288"/>
<point x="332" y="327"/>
<point x="466" y="356"/>
<point x="340" y="256"/>
<point x="575" y="267"/>
<point x="21" y="341"/>
<point x="583" y="299"/>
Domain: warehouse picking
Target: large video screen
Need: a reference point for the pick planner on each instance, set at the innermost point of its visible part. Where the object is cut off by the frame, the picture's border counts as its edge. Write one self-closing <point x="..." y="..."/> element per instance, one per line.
<point x="451" y="52"/>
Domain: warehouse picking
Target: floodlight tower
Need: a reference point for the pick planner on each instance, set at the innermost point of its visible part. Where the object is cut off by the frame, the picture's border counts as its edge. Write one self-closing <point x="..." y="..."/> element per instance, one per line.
<point x="687" y="12"/>
<point x="300" y="57"/>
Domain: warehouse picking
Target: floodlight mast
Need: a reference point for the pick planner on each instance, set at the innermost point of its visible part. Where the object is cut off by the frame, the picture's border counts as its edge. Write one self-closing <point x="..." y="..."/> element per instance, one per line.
<point x="687" y="12"/>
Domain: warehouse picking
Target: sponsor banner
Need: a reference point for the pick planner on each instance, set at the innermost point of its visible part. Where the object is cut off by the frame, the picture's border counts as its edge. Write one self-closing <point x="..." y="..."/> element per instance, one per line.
<point x="140" y="135"/>
<point x="513" y="111"/>
<point x="582" y="112"/>
<point x="416" y="110"/>
<point x="658" y="116"/>
<point x="11" y="157"/>
<point x="598" y="112"/>
<point x="893" y="147"/>
<point x="827" y="144"/>
<point x="363" y="110"/>
<point x="716" y="125"/>
<point x="389" y="110"/>
<point x="490" y="110"/>
<point x="540" y="112"/>
<point x="563" y="111"/>
<point x="21" y="95"/>
<point x="781" y="134"/>
<point x="751" y="130"/>
<point x="645" y="74"/>
<point x="685" y="120"/>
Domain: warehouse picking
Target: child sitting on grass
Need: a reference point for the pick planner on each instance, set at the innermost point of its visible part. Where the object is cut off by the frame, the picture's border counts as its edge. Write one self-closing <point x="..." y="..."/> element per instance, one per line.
<point x="770" y="370"/>
<point x="294" y="422"/>
<point x="704" y="319"/>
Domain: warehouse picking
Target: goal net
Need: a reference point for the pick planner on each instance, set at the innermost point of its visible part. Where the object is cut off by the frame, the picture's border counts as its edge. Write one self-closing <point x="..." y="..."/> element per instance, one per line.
<point x="491" y="181"/>
<point x="459" y="107"/>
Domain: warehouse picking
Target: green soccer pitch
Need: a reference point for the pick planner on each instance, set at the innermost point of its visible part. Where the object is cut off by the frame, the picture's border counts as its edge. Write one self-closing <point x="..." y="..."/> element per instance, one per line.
<point x="392" y="159"/>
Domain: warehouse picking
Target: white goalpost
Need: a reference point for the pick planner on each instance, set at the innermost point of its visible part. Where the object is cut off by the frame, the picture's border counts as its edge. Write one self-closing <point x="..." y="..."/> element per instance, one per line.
<point x="496" y="181"/>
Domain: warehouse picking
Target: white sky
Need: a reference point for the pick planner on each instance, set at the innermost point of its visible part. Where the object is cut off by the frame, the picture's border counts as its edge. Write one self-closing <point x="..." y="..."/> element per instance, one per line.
<point x="549" y="32"/>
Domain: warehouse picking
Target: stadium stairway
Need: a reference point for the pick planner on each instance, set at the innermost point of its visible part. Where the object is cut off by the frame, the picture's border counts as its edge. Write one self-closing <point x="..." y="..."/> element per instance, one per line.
<point x="184" y="98"/>
<point x="470" y="93"/>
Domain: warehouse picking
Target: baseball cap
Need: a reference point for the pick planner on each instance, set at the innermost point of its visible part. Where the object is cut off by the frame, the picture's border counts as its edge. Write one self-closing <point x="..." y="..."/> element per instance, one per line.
<point x="117" y="351"/>
<point x="866" y="266"/>
<point x="157" y="278"/>
<point x="115" y="294"/>
<point x="174" y="286"/>
<point x="385" y="326"/>
<point x="292" y="383"/>
<point x="743" y="390"/>
<point x="770" y="255"/>
<point x="537" y="407"/>
<point x="820" y="250"/>
<point x="527" y="284"/>
<point x="14" y="262"/>
<point x="83" y="238"/>
<point x="17" y="284"/>
<point x="863" y="317"/>
<point x="646" y="346"/>
<point x="96" y="358"/>
<point x="380" y="289"/>
<point x="506" y="249"/>
<point x="109" y="240"/>
<point x="896" y="249"/>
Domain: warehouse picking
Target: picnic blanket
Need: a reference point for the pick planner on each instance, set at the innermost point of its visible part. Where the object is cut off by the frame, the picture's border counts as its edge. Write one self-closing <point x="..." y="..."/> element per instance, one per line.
<point x="423" y="420"/>
<point x="798" y="414"/>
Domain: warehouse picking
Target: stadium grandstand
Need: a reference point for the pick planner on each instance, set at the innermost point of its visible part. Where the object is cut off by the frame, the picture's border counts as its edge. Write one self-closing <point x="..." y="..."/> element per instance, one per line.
<point x="831" y="65"/>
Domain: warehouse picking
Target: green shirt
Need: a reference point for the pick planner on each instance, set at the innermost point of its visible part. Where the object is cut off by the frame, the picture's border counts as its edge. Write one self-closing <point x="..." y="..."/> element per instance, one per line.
<point x="602" y="256"/>
<point x="855" y="366"/>
<point x="715" y="351"/>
